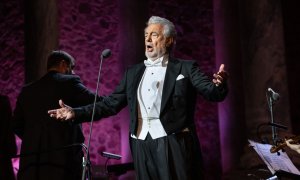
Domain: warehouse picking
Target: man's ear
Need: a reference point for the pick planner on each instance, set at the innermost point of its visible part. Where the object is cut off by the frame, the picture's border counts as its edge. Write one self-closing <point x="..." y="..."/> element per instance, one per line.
<point x="169" y="42"/>
<point x="63" y="66"/>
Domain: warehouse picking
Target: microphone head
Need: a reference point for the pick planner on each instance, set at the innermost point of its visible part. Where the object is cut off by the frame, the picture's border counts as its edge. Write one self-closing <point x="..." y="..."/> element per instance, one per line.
<point x="275" y="96"/>
<point x="270" y="90"/>
<point x="105" y="53"/>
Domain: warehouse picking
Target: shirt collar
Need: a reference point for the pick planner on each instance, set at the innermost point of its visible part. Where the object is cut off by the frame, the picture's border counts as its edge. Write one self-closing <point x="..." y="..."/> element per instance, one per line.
<point x="160" y="62"/>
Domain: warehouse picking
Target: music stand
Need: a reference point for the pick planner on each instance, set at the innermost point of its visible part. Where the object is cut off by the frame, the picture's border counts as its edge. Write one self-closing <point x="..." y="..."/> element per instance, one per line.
<point x="280" y="165"/>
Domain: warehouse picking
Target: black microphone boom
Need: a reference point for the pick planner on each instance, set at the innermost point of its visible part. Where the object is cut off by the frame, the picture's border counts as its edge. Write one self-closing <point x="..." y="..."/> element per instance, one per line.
<point x="275" y="96"/>
<point x="278" y="125"/>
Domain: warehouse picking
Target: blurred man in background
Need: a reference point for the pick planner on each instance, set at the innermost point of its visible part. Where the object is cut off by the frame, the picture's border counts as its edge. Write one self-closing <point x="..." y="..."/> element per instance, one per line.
<point x="44" y="151"/>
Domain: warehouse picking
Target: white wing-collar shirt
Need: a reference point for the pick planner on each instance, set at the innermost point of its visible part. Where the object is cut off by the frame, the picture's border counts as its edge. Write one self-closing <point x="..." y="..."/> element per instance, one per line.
<point x="149" y="98"/>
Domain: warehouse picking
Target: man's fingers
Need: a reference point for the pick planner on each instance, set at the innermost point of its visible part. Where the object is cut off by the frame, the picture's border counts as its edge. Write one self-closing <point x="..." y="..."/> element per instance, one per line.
<point x="288" y="142"/>
<point x="218" y="77"/>
<point x="217" y="82"/>
<point x="53" y="115"/>
<point x="62" y="114"/>
<point x="222" y="66"/>
<point x="61" y="103"/>
<point x="52" y="111"/>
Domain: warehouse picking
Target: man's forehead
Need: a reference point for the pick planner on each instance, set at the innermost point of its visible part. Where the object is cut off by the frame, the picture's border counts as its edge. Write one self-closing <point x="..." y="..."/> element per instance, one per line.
<point x="154" y="28"/>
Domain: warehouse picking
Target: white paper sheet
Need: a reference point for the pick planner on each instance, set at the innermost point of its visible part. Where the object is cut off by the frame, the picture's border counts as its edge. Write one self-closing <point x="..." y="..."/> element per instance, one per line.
<point x="274" y="161"/>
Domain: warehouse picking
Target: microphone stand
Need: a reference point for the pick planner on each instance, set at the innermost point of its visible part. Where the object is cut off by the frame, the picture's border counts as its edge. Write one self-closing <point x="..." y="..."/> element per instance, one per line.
<point x="86" y="163"/>
<point x="274" y="129"/>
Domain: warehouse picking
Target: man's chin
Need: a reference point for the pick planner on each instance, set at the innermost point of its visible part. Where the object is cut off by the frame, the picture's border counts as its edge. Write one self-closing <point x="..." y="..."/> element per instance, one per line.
<point x="151" y="56"/>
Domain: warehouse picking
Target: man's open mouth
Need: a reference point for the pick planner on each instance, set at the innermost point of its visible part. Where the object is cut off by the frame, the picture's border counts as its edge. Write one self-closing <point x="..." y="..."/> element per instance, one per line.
<point x="149" y="48"/>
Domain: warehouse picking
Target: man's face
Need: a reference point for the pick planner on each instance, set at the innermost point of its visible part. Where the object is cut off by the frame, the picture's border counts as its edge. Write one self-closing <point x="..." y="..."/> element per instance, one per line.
<point x="71" y="67"/>
<point x="155" y="41"/>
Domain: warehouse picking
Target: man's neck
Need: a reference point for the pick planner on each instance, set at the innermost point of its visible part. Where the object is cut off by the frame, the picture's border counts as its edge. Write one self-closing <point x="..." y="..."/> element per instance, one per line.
<point x="165" y="57"/>
<point x="55" y="70"/>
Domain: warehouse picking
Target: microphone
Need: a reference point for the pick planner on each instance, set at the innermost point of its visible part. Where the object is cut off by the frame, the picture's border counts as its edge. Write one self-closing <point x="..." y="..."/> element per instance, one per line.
<point x="274" y="95"/>
<point x="86" y="160"/>
<point x="105" y="53"/>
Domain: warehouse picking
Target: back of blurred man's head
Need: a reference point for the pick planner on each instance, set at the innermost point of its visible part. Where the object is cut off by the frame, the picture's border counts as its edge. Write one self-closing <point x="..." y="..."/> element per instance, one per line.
<point x="58" y="58"/>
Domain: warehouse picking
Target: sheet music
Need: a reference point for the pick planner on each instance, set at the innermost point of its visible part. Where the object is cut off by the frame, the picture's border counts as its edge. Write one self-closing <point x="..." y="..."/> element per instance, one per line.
<point x="274" y="161"/>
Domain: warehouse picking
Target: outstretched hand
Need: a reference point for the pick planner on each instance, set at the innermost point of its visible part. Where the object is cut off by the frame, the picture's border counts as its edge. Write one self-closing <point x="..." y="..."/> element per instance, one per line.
<point x="221" y="76"/>
<point x="65" y="113"/>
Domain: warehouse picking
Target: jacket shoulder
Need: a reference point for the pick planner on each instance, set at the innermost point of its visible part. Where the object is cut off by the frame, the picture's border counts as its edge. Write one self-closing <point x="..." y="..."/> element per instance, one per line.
<point x="65" y="77"/>
<point x="183" y="62"/>
<point x="50" y="79"/>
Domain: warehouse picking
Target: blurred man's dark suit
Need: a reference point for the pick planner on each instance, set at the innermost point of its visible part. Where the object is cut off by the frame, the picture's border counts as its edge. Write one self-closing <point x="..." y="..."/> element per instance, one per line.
<point x="8" y="146"/>
<point x="42" y="136"/>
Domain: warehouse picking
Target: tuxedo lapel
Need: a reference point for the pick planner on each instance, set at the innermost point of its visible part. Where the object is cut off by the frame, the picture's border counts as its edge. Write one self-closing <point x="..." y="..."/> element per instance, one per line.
<point x="136" y="78"/>
<point x="139" y="71"/>
<point x="173" y="70"/>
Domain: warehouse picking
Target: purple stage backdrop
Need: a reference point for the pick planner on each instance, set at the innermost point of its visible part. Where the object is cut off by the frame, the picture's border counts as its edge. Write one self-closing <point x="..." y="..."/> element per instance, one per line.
<point x="88" y="27"/>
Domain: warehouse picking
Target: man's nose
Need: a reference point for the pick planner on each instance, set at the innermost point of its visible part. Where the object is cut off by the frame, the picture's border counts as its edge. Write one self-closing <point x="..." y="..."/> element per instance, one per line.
<point x="148" y="39"/>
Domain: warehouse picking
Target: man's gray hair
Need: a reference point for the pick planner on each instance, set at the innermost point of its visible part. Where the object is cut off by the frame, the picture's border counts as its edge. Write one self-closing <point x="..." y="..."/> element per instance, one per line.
<point x="169" y="28"/>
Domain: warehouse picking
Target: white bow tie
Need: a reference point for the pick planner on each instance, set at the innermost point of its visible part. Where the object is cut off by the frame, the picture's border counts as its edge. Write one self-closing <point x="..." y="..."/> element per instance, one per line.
<point x="156" y="63"/>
